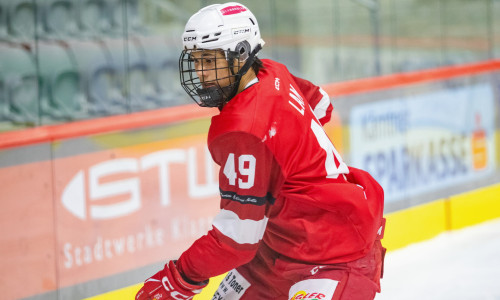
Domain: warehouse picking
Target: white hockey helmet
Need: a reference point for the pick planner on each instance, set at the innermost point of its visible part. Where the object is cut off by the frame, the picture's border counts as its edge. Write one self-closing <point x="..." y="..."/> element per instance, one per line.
<point x="222" y="26"/>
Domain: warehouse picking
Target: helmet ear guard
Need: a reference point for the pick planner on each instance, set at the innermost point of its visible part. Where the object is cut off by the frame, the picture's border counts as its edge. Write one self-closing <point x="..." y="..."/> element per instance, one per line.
<point x="243" y="50"/>
<point x="241" y="53"/>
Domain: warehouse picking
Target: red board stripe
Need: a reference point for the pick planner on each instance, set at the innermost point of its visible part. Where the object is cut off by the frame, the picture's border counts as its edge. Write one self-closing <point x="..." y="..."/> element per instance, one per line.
<point x="402" y="79"/>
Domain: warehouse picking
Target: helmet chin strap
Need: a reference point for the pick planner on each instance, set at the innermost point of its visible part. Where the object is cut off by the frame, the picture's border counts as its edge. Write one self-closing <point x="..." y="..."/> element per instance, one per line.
<point x="248" y="63"/>
<point x="213" y="96"/>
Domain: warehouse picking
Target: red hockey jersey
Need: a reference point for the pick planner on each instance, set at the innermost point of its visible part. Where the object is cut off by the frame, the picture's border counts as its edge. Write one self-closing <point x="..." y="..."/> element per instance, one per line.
<point x="282" y="182"/>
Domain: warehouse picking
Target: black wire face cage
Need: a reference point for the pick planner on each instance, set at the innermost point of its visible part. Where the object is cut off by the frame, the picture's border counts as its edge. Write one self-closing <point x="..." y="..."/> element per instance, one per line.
<point x="210" y="77"/>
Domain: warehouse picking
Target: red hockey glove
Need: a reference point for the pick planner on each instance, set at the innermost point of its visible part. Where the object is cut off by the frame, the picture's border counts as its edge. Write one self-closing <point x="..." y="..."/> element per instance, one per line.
<point x="168" y="284"/>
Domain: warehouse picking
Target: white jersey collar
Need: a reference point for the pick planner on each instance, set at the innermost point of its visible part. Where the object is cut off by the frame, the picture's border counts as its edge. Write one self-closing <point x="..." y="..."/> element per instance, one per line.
<point x="252" y="82"/>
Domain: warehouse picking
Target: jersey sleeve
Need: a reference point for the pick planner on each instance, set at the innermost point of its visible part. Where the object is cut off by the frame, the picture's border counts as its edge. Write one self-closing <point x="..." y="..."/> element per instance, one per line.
<point x="249" y="181"/>
<point x="318" y="99"/>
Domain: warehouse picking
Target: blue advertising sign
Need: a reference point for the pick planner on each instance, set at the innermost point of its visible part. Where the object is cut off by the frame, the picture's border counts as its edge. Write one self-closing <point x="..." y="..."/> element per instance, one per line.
<point x="425" y="142"/>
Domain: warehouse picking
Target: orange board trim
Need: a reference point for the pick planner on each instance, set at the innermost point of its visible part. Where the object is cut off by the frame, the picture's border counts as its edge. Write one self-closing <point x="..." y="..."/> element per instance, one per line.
<point x="402" y="79"/>
<point x="43" y="134"/>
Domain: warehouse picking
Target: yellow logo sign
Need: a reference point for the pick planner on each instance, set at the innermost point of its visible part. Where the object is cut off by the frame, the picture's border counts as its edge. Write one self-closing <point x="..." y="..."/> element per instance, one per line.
<point x="303" y="295"/>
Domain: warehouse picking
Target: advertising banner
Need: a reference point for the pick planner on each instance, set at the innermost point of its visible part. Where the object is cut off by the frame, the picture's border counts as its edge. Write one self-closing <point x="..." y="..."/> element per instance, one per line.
<point x="27" y="255"/>
<point x="103" y="212"/>
<point x="426" y="142"/>
<point x="124" y="208"/>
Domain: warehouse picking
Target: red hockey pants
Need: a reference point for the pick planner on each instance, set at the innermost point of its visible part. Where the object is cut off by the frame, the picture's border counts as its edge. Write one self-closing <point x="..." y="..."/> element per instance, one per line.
<point x="270" y="277"/>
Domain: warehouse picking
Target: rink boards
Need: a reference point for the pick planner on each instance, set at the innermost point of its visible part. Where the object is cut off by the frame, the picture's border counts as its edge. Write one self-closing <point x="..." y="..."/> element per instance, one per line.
<point x="404" y="227"/>
<point x="94" y="207"/>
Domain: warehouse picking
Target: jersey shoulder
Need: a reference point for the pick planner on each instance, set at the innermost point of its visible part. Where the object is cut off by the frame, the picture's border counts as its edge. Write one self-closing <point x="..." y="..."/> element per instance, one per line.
<point x="253" y="108"/>
<point x="270" y="103"/>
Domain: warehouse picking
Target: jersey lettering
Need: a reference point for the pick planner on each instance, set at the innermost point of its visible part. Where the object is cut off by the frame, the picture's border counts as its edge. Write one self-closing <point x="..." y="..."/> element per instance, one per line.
<point x="298" y="102"/>
<point x="246" y="170"/>
<point x="229" y="170"/>
<point x="333" y="163"/>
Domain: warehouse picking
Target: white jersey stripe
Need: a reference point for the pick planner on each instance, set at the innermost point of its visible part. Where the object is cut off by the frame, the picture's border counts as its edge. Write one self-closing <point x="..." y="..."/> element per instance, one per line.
<point x="240" y="231"/>
<point x="322" y="106"/>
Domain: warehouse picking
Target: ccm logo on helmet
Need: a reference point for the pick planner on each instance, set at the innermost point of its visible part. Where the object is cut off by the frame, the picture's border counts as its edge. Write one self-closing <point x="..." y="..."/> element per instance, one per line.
<point x="189" y="38"/>
<point x="239" y="31"/>
<point x="232" y="10"/>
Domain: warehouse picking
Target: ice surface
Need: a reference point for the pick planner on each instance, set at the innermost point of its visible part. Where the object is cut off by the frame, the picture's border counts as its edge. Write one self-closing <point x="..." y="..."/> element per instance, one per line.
<point x="458" y="265"/>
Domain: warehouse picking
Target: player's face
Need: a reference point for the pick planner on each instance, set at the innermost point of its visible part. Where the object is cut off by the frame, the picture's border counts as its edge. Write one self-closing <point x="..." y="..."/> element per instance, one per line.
<point x="212" y="68"/>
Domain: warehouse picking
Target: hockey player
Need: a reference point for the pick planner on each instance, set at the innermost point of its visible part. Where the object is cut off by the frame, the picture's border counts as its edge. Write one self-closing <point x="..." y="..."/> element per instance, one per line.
<point x="295" y="222"/>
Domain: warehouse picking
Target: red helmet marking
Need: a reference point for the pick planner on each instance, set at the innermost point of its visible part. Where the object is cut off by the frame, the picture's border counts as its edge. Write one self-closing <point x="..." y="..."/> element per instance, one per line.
<point x="232" y="10"/>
